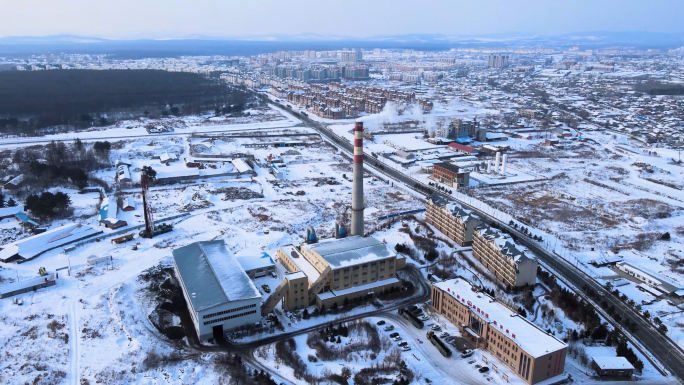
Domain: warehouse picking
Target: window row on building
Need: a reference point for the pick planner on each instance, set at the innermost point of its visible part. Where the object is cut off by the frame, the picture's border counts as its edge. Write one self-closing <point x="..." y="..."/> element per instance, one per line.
<point x="212" y="315"/>
<point x="229" y="317"/>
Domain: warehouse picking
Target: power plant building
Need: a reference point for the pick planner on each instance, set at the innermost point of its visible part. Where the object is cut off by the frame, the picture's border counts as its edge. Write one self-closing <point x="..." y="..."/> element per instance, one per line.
<point x="531" y="353"/>
<point x="219" y="294"/>
<point x="451" y="219"/>
<point x="340" y="269"/>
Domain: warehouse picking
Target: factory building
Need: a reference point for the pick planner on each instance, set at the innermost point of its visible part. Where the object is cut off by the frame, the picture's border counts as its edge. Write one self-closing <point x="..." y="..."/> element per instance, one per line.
<point x="340" y="269"/>
<point x="451" y="219"/>
<point x="531" y="353"/>
<point x="498" y="252"/>
<point x="219" y="294"/>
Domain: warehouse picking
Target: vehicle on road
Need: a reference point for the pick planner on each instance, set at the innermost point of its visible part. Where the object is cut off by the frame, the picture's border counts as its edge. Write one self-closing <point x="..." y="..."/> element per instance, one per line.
<point x="441" y="346"/>
<point x="411" y="318"/>
<point x="483" y="369"/>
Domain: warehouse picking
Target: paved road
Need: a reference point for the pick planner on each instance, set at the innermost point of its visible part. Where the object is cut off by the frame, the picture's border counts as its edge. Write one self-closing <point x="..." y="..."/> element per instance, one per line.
<point x="662" y="348"/>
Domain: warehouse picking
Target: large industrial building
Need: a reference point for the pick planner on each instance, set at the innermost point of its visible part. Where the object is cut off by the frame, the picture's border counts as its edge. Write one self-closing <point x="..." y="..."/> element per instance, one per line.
<point x="498" y="252"/>
<point x="337" y="270"/>
<point x="219" y="294"/>
<point x="531" y="353"/>
<point x="451" y="219"/>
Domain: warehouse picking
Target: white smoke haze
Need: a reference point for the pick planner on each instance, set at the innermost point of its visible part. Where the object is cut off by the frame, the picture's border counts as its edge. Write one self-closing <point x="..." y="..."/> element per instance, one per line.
<point x="396" y="113"/>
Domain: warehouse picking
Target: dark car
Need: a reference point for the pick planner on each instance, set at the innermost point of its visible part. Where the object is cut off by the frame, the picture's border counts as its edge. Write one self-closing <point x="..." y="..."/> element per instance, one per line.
<point x="483" y="369"/>
<point x="381" y="322"/>
<point x="394" y="334"/>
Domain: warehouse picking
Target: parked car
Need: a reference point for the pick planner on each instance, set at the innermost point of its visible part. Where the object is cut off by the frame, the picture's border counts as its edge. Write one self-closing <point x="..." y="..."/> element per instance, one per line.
<point x="436" y="327"/>
<point x="406" y="348"/>
<point x="483" y="369"/>
<point x="274" y="275"/>
<point x="444" y="335"/>
<point x="466" y="355"/>
<point x="388" y="328"/>
<point x="403" y="343"/>
<point x="394" y="335"/>
<point x="397" y="338"/>
<point x="424" y="318"/>
<point x="381" y="322"/>
<point x="266" y="288"/>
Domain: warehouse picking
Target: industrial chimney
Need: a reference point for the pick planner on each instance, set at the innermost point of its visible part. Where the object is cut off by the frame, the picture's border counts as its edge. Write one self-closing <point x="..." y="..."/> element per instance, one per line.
<point x="357" y="188"/>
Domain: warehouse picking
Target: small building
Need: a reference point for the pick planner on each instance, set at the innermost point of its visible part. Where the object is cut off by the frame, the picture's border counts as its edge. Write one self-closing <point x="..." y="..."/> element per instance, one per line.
<point x="26" y="286"/>
<point x="242" y="167"/>
<point x="15" y="182"/>
<point x="31" y="247"/>
<point x="612" y="367"/>
<point x="108" y="213"/>
<point x="123" y="174"/>
<point x="219" y="294"/>
<point x="167" y="158"/>
<point x="129" y="204"/>
<point x="451" y="174"/>
<point x="649" y="278"/>
<point x="462" y="148"/>
<point x="256" y="267"/>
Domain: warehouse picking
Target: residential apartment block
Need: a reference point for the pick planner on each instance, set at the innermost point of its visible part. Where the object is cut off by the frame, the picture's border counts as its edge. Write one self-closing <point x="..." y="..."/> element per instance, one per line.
<point x="451" y="219"/>
<point x="524" y="348"/>
<point x="508" y="261"/>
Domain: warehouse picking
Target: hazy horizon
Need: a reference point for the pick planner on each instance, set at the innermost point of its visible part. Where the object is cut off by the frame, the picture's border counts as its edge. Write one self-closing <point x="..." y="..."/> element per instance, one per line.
<point x="154" y="19"/>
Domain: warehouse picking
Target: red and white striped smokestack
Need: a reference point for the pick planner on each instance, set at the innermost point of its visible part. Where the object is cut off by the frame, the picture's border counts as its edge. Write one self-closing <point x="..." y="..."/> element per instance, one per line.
<point x="357" y="187"/>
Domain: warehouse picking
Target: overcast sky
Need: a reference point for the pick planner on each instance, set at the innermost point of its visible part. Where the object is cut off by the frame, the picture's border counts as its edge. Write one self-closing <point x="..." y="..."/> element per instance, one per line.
<point x="357" y="18"/>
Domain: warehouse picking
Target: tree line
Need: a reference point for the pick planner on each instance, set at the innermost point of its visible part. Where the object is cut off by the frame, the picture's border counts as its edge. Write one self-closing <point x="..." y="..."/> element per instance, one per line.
<point x="33" y="100"/>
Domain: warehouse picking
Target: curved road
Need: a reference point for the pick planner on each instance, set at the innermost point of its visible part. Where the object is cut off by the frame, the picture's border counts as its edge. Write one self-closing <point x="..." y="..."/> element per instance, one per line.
<point x="658" y="345"/>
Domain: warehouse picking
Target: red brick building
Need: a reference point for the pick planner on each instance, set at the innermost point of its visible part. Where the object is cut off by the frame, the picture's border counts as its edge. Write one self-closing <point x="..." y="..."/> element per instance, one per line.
<point x="451" y="174"/>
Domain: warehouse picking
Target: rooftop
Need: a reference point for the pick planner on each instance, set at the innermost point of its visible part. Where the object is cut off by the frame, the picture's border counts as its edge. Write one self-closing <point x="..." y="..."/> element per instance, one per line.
<point x="351" y="251"/>
<point x="31" y="247"/>
<point x="260" y="262"/>
<point x="528" y="336"/>
<point x="212" y="275"/>
<point x="612" y="363"/>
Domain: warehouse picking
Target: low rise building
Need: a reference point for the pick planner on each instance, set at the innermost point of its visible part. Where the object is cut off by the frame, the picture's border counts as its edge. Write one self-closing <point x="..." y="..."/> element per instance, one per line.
<point x="451" y="219"/>
<point x="531" y="353"/>
<point x="612" y="367"/>
<point x="499" y="254"/>
<point x="451" y="174"/>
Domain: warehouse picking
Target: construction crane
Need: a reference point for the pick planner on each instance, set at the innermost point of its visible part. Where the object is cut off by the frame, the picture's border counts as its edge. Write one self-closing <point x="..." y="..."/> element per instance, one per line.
<point x="150" y="230"/>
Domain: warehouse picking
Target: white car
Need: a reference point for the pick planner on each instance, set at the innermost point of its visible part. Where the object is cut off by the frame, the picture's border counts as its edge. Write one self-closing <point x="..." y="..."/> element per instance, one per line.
<point x="397" y="338"/>
<point x="389" y="328"/>
<point x="406" y="348"/>
<point x="424" y="318"/>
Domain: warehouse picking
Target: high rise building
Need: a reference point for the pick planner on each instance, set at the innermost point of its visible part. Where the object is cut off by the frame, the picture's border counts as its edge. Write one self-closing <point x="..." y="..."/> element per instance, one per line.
<point x="497" y="61"/>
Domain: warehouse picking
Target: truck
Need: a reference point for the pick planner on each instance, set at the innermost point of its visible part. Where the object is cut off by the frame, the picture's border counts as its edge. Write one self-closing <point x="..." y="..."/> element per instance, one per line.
<point x="411" y="318"/>
<point x="441" y="346"/>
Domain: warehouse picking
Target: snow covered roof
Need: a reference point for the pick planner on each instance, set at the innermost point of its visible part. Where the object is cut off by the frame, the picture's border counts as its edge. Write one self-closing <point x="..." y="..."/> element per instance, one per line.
<point x="31" y="247"/>
<point x="241" y="165"/>
<point x="24" y="284"/>
<point x="528" y="336"/>
<point x="211" y="275"/>
<point x="356" y="289"/>
<point x="350" y="251"/>
<point x="9" y="211"/>
<point x="612" y="363"/>
<point x="252" y="263"/>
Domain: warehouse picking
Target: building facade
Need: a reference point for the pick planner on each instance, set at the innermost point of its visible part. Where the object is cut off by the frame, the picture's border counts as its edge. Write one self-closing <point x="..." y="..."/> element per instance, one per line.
<point x="525" y="349"/>
<point x="342" y="269"/>
<point x="500" y="255"/>
<point x="219" y="294"/>
<point x="451" y="219"/>
<point x="451" y="175"/>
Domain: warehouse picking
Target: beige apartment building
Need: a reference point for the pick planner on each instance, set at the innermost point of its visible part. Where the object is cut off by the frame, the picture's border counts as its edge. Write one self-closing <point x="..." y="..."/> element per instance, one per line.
<point x="508" y="261"/>
<point x="339" y="269"/>
<point x="451" y="219"/>
<point x="522" y="347"/>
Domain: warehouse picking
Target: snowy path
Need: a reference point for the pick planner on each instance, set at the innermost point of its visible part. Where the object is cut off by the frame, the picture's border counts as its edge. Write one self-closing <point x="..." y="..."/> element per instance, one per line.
<point x="73" y="344"/>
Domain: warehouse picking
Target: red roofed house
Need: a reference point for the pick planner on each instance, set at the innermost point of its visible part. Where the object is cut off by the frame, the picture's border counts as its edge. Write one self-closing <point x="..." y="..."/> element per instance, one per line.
<point x="461" y="148"/>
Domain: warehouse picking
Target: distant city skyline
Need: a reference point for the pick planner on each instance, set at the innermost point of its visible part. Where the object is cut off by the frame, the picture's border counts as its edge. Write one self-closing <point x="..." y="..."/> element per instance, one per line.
<point x="156" y="19"/>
